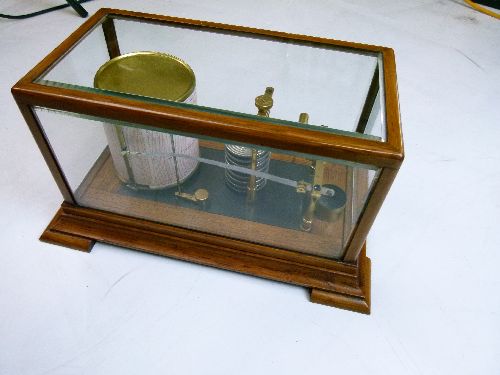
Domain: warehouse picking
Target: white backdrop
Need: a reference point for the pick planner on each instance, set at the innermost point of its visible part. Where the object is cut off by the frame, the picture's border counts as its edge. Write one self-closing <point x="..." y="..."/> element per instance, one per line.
<point x="434" y="246"/>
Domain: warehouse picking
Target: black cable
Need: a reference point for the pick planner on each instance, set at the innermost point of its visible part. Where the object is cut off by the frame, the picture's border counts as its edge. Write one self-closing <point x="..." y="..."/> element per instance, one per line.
<point x="40" y="12"/>
<point x="78" y="8"/>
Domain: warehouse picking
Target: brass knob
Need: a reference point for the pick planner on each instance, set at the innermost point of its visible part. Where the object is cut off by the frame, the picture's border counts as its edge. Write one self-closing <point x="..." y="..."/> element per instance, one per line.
<point x="264" y="103"/>
<point x="304" y="118"/>
<point x="200" y="195"/>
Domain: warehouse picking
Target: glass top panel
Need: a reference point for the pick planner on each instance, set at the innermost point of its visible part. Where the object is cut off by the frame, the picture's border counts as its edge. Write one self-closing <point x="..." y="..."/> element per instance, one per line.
<point x="338" y="88"/>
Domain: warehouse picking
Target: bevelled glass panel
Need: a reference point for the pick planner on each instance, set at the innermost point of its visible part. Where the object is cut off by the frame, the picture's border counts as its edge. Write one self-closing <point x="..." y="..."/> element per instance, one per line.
<point x="332" y="84"/>
<point x="297" y="202"/>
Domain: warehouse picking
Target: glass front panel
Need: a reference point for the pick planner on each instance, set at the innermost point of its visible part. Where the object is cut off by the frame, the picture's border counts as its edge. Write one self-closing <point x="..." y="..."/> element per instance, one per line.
<point x="231" y="69"/>
<point x="293" y="201"/>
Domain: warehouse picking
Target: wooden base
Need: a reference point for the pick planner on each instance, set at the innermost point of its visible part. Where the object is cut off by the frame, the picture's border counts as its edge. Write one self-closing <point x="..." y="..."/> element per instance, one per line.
<point x="333" y="282"/>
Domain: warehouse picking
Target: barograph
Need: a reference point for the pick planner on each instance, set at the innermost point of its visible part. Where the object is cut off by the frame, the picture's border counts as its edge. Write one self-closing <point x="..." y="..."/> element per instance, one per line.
<point x="250" y="150"/>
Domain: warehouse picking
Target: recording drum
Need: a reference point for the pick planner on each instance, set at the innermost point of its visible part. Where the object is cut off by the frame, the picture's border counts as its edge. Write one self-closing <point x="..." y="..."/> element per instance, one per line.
<point x="144" y="159"/>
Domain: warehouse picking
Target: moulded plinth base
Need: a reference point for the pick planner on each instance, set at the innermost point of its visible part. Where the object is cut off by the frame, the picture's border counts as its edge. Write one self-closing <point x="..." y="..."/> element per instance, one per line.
<point x="360" y="303"/>
<point x="63" y="238"/>
<point x="332" y="282"/>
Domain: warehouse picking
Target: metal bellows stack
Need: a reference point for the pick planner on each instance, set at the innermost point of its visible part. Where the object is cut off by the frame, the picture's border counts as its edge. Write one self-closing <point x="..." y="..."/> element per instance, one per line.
<point x="245" y="163"/>
<point x="240" y="156"/>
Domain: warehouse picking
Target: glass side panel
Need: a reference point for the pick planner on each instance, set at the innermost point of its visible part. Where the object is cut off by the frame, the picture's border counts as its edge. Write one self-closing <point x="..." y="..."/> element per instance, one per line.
<point x="292" y="201"/>
<point x="231" y="69"/>
<point x="373" y="118"/>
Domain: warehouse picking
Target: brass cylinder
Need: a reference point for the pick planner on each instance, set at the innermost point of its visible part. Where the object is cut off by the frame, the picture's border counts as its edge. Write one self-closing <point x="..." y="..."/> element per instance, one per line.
<point x="144" y="159"/>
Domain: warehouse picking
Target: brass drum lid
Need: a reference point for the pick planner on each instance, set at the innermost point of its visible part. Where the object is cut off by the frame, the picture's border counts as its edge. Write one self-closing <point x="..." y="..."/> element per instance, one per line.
<point x="153" y="74"/>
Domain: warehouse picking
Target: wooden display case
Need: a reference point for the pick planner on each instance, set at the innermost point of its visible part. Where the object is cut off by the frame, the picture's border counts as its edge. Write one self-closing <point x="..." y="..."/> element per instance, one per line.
<point x="304" y="215"/>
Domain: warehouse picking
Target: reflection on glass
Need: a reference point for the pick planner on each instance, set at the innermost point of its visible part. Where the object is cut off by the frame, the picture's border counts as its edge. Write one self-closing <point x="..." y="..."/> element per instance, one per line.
<point x="230" y="67"/>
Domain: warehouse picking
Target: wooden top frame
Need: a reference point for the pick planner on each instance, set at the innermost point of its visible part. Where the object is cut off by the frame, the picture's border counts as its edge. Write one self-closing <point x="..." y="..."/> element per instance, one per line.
<point x="387" y="154"/>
